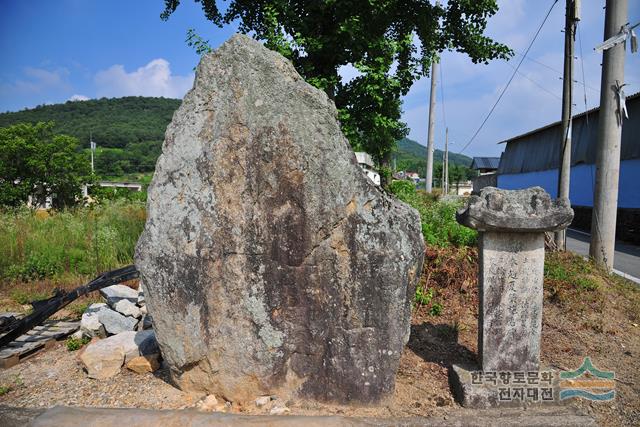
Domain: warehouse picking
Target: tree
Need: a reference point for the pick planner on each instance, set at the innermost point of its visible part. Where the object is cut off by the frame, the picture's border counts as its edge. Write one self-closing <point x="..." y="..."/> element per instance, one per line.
<point x="390" y="42"/>
<point x="36" y="162"/>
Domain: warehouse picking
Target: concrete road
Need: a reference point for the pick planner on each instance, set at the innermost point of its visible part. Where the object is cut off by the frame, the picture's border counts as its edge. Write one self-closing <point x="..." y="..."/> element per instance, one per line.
<point x="627" y="257"/>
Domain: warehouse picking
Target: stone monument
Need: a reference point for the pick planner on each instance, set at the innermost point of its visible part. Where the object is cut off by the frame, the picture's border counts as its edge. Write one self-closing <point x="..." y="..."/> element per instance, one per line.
<point x="270" y="263"/>
<point x="511" y="225"/>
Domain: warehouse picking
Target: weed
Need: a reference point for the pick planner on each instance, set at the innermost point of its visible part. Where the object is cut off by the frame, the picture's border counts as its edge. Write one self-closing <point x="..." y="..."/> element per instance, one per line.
<point x="78" y="308"/>
<point x="586" y="283"/>
<point x="74" y="344"/>
<point x="423" y="297"/>
<point x="554" y="270"/>
<point x="436" y="309"/>
<point x="4" y="389"/>
<point x="24" y="296"/>
<point x="70" y="243"/>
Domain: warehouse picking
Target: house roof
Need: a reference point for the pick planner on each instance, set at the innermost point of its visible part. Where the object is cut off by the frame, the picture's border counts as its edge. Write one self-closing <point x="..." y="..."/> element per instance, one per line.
<point x="539" y="149"/>
<point x="485" y="163"/>
<point x="584" y="113"/>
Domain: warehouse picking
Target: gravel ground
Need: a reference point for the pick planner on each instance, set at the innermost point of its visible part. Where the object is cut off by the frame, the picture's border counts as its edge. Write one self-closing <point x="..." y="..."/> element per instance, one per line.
<point x="54" y="377"/>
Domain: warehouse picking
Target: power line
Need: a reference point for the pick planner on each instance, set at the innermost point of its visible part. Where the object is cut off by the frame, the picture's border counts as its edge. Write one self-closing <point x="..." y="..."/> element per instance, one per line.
<point x="555" y="70"/>
<point x="584" y="85"/>
<point x="535" y="83"/>
<point x="512" y="76"/>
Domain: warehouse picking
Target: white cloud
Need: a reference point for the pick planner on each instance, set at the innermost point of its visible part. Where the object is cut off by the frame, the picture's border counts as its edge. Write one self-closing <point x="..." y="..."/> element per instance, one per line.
<point x="38" y="80"/>
<point x="77" y="97"/>
<point x="471" y="89"/>
<point x="153" y="79"/>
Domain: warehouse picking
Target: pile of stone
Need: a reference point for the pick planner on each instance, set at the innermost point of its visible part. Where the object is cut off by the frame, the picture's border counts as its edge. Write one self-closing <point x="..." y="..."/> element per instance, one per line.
<point x="125" y="310"/>
<point x="121" y="334"/>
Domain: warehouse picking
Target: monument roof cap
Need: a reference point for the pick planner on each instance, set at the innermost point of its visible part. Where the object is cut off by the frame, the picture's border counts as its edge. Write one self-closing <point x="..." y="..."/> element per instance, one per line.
<point x="525" y="211"/>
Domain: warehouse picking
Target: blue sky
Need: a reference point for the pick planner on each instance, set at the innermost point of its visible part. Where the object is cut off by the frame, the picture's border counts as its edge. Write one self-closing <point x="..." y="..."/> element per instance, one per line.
<point x="53" y="51"/>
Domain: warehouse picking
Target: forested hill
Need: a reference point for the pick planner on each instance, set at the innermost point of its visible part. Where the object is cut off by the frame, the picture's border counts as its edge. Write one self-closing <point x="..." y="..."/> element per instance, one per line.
<point x="114" y="122"/>
<point x="410" y="150"/>
<point x="129" y="132"/>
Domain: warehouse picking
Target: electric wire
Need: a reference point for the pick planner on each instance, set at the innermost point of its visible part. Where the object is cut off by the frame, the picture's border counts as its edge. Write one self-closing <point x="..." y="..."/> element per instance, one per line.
<point x="536" y="83"/>
<point x="510" y="79"/>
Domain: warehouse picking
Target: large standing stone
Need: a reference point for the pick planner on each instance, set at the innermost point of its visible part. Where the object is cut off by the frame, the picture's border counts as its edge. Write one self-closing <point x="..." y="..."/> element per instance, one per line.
<point x="270" y="263"/>
<point x="510" y="276"/>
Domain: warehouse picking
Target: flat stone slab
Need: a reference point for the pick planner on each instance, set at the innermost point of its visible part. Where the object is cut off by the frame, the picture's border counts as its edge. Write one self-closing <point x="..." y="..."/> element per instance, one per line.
<point x="526" y="211"/>
<point x="115" y="293"/>
<point x="60" y="416"/>
<point x="478" y="389"/>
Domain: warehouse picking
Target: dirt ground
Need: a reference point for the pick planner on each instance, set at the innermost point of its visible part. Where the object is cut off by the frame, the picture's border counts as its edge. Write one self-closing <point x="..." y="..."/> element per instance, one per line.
<point x="601" y="322"/>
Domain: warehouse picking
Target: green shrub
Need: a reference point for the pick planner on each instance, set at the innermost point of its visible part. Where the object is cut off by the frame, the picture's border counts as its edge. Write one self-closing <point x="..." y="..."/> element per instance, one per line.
<point x="438" y="218"/>
<point x="74" y="344"/>
<point x="4" y="389"/>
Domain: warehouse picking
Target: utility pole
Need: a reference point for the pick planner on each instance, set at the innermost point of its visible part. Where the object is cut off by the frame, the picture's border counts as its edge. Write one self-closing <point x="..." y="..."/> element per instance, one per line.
<point x="432" y="122"/>
<point x="605" y="200"/>
<point x="572" y="16"/>
<point x="92" y="146"/>
<point x="446" y="161"/>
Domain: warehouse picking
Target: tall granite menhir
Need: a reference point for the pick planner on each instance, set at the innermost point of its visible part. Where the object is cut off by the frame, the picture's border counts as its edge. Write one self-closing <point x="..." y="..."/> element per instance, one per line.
<point x="270" y="263"/>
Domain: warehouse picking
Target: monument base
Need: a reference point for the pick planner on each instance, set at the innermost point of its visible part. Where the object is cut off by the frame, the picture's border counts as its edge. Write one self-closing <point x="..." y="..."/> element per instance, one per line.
<point x="473" y="388"/>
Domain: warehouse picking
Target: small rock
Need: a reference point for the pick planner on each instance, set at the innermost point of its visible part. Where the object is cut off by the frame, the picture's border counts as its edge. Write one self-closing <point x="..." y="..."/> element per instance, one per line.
<point x="143" y="309"/>
<point x="77" y="334"/>
<point x="208" y="403"/>
<point x="115" y="293"/>
<point x="262" y="400"/>
<point x="279" y="410"/>
<point x="126" y="307"/>
<point x="114" y="322"/>
<point x="141" y="299"/>
<point x="90" y="324"/>
<point x="144" y="364"/>
<point x="104" y="358"/>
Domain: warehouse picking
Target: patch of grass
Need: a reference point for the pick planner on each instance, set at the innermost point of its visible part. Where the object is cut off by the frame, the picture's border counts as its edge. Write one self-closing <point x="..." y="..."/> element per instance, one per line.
<point x="74" y="344"/>
<point x="24" y="296"/>
<point x="575" y="283"/>
<point x="438" y="218"/>
<point x="74" y="243"/>
<point x="586" y="283"/>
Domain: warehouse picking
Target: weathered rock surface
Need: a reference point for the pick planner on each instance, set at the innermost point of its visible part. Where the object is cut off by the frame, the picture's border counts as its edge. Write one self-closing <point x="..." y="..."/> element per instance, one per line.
<point x="270" y="263"/>
<point x="127" y="308"/>
<point x="528" y="210"/>
<point x="115" y="293"/>
<point x="114" y="322"/>
<point x="104" y="358"/>
<point x="90" y="325"/>
<point x="144" y="364"/>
